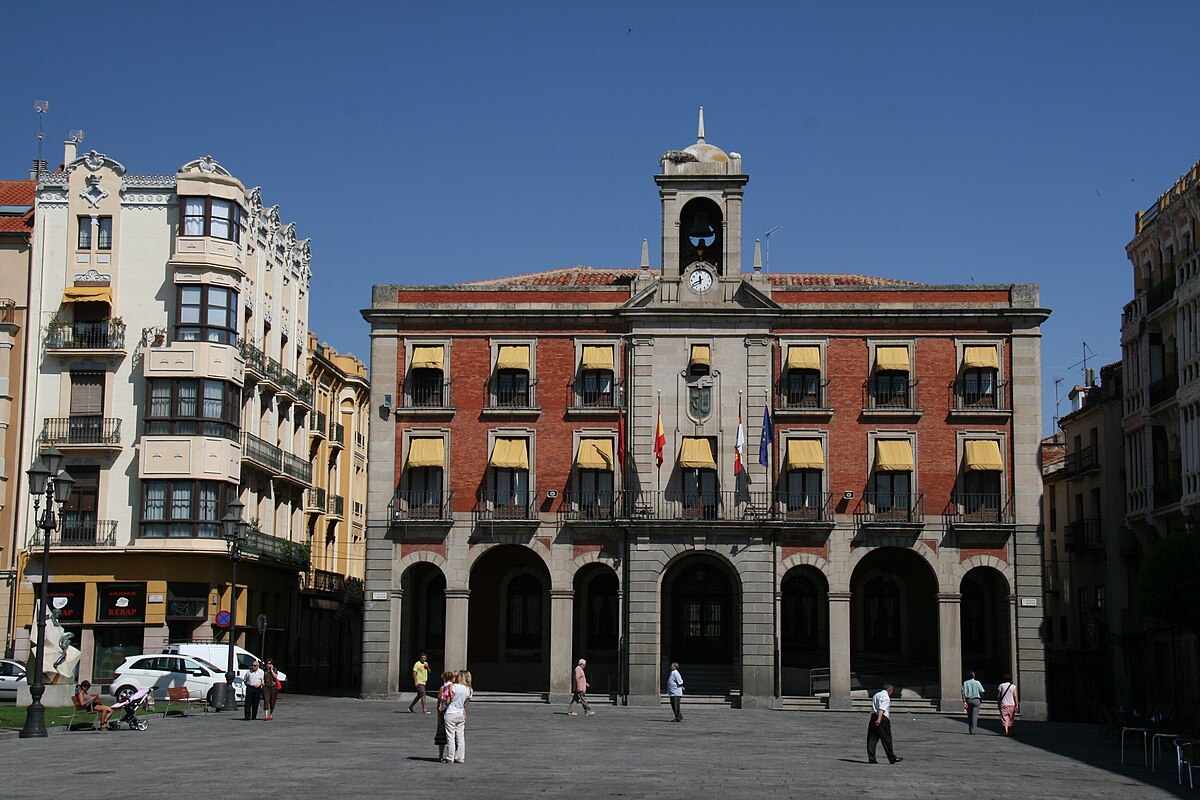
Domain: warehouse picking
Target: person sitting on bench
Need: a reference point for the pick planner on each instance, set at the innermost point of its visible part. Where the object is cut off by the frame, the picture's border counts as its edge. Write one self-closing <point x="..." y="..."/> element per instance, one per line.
<point x="85" y="701"/>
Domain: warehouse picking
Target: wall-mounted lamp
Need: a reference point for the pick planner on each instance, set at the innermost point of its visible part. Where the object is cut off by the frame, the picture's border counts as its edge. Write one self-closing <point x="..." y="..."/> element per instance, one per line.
<point x="552" y="493"/>
<point x="847" y="495"/>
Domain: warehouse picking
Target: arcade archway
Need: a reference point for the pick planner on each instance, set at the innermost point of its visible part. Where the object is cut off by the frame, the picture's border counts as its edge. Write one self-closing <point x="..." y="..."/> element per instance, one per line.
<point x="894" y="623"/>
<point x="508" y="627"/>
<point x="804" y="631"/>
<point x="597" y="625"/>
<point x="986" y="642"/>
<point x="701" y="623"/>
<point x="423" y="627"/>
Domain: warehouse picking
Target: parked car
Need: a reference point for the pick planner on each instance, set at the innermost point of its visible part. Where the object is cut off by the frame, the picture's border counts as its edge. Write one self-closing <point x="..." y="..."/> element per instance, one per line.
<point x="12" y="675"/>
<point x="160" y="672"/>
<point x="219" y="654"/>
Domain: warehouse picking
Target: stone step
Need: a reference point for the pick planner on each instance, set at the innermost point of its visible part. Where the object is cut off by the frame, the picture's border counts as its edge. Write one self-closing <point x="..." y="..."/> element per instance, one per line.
<point x="510" y="697"/>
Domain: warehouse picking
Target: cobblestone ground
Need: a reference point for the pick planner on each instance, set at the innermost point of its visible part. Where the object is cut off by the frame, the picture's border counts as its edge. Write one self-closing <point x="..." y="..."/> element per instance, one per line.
<point x="332" y="747"/>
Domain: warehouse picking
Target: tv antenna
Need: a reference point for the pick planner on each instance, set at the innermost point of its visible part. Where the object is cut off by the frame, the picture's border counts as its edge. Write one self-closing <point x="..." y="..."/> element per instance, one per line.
<point x="767" y="236"/>
<point x="41" y="107"/>
<point x="1083" y="364"/>
<point x="77" y="136"/>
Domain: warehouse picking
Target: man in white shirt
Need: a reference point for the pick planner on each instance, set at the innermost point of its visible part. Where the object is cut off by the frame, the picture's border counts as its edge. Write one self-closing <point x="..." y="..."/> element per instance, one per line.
<point x="254" y="680"/>
<point x="675" y="691"/>
<point x="880" y="726"/>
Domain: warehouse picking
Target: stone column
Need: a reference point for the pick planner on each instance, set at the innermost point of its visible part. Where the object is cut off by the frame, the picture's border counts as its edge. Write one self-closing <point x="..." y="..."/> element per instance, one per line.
<point x="950" y="650"/>
<point x="457" y="605"/>
<point x="839" y="650"/>
<point x="395" y="627"/>
<point x="645" y="682"/>
<point x="562" y="639"/>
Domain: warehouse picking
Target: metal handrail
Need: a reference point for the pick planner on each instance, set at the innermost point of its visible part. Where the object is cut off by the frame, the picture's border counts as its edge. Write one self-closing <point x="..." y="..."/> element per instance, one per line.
<point x="76" y="532"/>
<point x="967" y="508"/>
<point x="900" y="396"/>
<point x="103" y="335"/>
<point x="890" y="508"/>
<point x="297" y="468"/>
<point x="82" y="430"/>
<point x="963" y="398"/>
<point x="493" y="506"/>
<point x="794" y="398"/>
<point x="426" y="393"/>
<point x="262" y="452"/>
<point x="419" y="505"/>
<point x="1084" y="534"/>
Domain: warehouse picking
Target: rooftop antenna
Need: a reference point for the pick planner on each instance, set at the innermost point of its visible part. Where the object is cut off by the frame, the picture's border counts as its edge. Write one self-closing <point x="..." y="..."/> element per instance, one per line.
<point x="1057" y="402"/>
<point x="41" y="107"/>
<point x="1087" y="353"/>
<point x="767" y="236"/>
<point x="700" y="129"/>
<point x="76" y="136"/>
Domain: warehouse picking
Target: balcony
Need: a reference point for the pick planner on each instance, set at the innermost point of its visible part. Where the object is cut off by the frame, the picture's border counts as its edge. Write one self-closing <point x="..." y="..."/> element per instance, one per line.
<point x="894" y="397"/>
<point x="1167" y="493"/>
<point x="425" y="394"/>
<point x="314" y="501"/>
<point x="588" y="507"/>
<point x="82" y="432"/>
<point x="304" y="392"/>
<point x="1081" y="461"/>
<point x="336" y="506"/>
<point x="78" y="530"/>
<point x="511" y="399"/>
<point x="297" y="469"/>
<point x="324" y="582"/>
<point x="1164" y="388"/>
<point x="273" y="373"/>
<point x="969" y="397"/>
<point x="255" y="360"/>
<point x="794" y="399"/>
<point x="317" y="424"/>
<point x="337" y="435"/>
<point x="415" y="505"/>
<point x="890" y="510"/>
<point x="279" y="550"/>
<point x="8" y="311"/>
<point x="1160" y="294"/>
<point x="1084" y="534"/>
<point x="591" y="399"/>
<point x="107" y="336"/>
<point x="980" y="510"/>
<point x="262" y="454"/>
<point x="1134" y="310"/>
<point x="515" y="508"/>
<point x="713" y="506"/>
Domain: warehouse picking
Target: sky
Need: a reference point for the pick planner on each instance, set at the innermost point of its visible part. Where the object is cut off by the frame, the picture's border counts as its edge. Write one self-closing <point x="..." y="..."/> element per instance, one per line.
<point x="938" y="142"/>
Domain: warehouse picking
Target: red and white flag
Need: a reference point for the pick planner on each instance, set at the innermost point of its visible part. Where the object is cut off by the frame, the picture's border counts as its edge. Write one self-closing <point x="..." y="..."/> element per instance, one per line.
<point x="739" y="449"/>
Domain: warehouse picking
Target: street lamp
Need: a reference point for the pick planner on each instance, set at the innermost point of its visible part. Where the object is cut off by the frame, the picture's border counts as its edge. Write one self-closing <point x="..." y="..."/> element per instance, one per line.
<point x="233" y="530"/>
<point x="44" y="478"/>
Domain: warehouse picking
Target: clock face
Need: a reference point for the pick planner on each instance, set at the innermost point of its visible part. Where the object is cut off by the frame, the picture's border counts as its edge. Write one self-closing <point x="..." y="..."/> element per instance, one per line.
<point x="701" y="280"/>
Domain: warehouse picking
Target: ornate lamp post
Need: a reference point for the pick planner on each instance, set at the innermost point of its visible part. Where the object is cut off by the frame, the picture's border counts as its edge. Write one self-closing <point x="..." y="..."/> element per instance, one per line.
<point x="44" y="478"/>
<point x="233" y="530"/>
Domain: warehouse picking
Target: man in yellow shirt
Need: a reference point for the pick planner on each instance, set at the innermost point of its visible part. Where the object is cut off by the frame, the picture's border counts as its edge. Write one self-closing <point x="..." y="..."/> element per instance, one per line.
<point x="420" y="672"/>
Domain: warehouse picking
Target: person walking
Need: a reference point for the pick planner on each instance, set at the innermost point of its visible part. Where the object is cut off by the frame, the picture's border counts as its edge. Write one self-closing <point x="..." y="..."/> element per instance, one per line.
<point x="456" y="722"/>
<point x="675" y="691"/>
<point x="972" y="694"/>
<point x="270" y="689"/>
<point x="879" y="728"/>
<point x="581" y="687"/>
<point x="444" y="696"/>
<point x="253" y="679"/>
<point x="420" y="673"/>
<point x="1009" y="702"/>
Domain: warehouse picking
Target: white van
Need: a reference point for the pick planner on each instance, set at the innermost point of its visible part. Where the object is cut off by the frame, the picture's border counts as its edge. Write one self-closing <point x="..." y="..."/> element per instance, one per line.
<point x="219" y="654"/>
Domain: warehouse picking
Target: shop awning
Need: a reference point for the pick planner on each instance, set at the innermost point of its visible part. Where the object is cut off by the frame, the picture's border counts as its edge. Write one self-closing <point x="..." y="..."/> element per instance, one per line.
<point x="805" y="454"/>
<point x="892" y="358"/>
<point x="696" y="454"/>
<point x="513" y="356"/>
<point x="595" y="454"/>
<point x="429" y="357"/>
<point x="981" y="357"/>
<point x="88" y="294"/>
<point x="510" y="454"/>
<point x="426" y="453"/>
<point x="598" y="357"/>
<point x="804" y="357"/>
<point x="983" y="455"/>
<point x="701" y="355"/>
<point x="893" y="455"/>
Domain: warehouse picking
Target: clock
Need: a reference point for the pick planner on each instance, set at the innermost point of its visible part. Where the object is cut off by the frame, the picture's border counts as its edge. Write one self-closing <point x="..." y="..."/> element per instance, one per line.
<point x="701" y="280"/>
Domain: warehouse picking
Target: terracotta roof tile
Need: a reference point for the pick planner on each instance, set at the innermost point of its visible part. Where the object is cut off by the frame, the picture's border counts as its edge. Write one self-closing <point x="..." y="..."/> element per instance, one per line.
<point x="17" y="193"/>
<point x="591" y="276"/>
<point x="785" y="279"/>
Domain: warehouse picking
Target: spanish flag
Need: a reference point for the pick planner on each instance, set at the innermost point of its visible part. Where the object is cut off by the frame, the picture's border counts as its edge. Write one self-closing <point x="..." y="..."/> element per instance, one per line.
<point x="660" y="438"/>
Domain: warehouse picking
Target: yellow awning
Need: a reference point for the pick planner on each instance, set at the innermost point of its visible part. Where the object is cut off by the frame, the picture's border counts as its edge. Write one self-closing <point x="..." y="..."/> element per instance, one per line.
<point x="510" y="454"/>
<point x="429" y="357"/>
<point x="892" y="358"/>
<point x="804" y="357"/>
<point x="595" y="454"/>
<point x="513" y="356"/>
<point x="985" y="357"/>
<point x="983" y="455"/>
<point x="893" y="455"/>
<point x="701" y="355"/>
<point x="426" y="453"/>
<point x="697" y="454"/>
<point x="805" y="454"/>
<point x="88" y="294"/>
<point x="598" y="357"/>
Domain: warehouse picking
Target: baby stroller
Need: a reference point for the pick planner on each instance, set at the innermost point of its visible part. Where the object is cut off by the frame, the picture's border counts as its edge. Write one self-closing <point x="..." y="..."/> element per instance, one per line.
<point x="130" y="706"/>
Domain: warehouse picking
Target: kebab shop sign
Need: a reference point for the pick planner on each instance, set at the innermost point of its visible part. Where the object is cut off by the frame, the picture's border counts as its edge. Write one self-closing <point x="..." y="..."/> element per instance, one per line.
<point x="122" y="602"/>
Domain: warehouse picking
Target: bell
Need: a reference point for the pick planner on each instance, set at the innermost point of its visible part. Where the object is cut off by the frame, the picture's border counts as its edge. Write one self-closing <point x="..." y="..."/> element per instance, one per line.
<point x="700" y="227"/>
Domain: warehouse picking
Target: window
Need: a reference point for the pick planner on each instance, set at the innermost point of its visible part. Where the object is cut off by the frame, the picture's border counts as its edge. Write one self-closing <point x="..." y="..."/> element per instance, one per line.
<point x="512" y="488"/>
<point x="977" y="383"/>
<point x="85" y="233"/>
<point x="104" y="233"/>
<point x="698" y="474"/>
<point x="425" y="376"/>
<point x="890" y="385"/>
<point x="512" y="388"/>
<point x="804" y="465"/>
<point x="892" y="490"/>
<point x="596" y="376"/>
<point x="524" y="622"/>
<point x="190" y="407"/>
<point x="891" y="479"/>
<point x="211" y="216"/>
<point x="207" y="313"/>
<point x="803" y="490"/>
<point x="595" y="492"/>
<point x="424" y="476"/>
<point x="183" y="508"/>
<point x="802" y="379"/>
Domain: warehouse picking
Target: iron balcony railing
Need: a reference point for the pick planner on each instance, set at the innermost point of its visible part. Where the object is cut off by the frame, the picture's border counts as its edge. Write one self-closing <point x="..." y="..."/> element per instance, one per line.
<point x="82" y="431"/>
<point x="337" y="434"/>
<point x="803" y="506"/>
<point x="588" y="505"/>
<point x="80" y="530"/>
<point x="1160" y="294"/>
<point x="1085" y="459"/>
<point x="324" y="581"/>
<point x="426" y="391"/>
<point x="421" y="506"/>
<point x="298" y="468"/>
<point x="262" y="453"/>
<point x="523" y="396"/>
<point x="105" y="335"/>
<point x="304" y="391"/>
<point x="277" y="549"/>
<point x="890" y="508"/>
<point x="273" y="372"/>
<point x="314" y="500"/>
<point x="8" y="310"/>
<point x="791" y="395"/>
<point x="1084" y="534"/>
<point x="601" y="397"/>
<point x="336" y="506"/>
<point x="711" y="506"/>
<point x="881" y="394"/>
<point x="254" y="358"/>
<point x="1167" y="493"/>
<point x="1164" y="388"/>
<point x="316" y="423"/>
<point x="496" y="506"/>
<point x="980" y="508"/>
<point x="970" y="395"/>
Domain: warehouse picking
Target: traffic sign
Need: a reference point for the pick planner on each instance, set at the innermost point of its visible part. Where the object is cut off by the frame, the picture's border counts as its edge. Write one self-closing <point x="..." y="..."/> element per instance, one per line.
<point x="261" y="624"/>
<point x="222" y="619"/>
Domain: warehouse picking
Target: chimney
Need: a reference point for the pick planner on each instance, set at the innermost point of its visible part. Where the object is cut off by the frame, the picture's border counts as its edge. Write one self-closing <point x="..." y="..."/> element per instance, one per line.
<point x="38" y="167"/>
<point x="69" y="151"/>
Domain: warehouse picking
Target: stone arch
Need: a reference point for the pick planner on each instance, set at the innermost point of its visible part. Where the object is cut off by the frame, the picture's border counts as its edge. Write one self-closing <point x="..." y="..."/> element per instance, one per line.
<point x="422" y="611"/>
<point x="422" y="556"/>
<point x="803" y="560"/>
<point x="478" y="551"/>
<point x="802" y="603"/>
<point x="959" y="571"/>
<point x="508" y="617"/>
<point x="596" y="622"/>
<point x="986" y="620"/>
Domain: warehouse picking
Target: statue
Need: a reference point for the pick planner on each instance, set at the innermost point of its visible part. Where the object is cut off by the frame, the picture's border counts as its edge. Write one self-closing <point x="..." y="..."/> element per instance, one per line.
<point x="59" y="658"/>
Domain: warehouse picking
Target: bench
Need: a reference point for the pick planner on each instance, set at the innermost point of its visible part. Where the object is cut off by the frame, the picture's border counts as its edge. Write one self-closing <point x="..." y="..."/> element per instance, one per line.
<point x="180" y="696"/>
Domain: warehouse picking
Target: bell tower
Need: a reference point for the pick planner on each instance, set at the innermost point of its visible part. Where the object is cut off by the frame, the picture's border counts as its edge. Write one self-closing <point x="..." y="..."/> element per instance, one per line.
<point x="701" y="190"/>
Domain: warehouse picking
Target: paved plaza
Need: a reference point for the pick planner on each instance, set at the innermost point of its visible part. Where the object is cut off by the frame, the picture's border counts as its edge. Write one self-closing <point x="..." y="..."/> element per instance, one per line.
<point x="331" y="747"/>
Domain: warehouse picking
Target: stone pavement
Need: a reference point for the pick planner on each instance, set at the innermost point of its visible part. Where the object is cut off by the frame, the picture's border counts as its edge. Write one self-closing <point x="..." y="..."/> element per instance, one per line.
<point x="331" y="747"/>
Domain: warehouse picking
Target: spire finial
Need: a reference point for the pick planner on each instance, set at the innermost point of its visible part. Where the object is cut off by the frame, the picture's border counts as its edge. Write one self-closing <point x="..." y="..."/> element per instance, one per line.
<point x="645" y="255"/>
<point x="700" y="129"/>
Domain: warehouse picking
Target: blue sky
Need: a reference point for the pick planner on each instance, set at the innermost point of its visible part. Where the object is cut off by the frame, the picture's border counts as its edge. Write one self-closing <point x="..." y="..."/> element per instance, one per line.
<point x="937" y="142"/>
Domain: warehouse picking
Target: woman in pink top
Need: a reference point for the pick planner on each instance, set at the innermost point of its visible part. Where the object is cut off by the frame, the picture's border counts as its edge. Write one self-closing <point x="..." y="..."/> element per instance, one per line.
<point x="1009" y="702"/>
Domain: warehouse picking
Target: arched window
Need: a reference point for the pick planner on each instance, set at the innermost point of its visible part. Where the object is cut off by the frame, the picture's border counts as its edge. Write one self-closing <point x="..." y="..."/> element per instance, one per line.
<point x="524" y="627"/>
